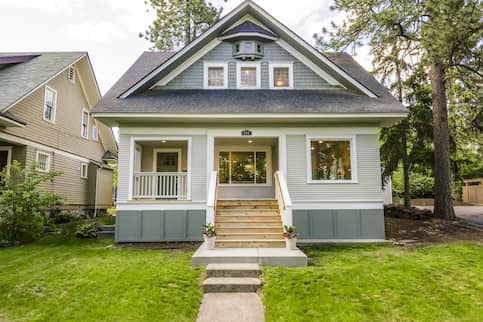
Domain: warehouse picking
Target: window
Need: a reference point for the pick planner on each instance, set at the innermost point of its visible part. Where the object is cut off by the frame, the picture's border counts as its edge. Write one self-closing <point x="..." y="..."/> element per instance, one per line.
<point x="248" y="75"/>
<point x="42" y="161"/>
<point x="85" y="124"/>
<point x="216" y="75"/>
<point x="50" y="102"/>
<point x="95" y="135"/>
<point x="281" y="76"/>
<point x="71" y="74"/>
<point x="332" y="160"/>
<point x="83" y="170"/>
<point x="243" y="167"/>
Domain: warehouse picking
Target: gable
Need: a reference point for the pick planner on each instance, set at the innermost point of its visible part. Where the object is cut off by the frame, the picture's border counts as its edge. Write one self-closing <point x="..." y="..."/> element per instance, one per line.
<point x="192" y="77"/>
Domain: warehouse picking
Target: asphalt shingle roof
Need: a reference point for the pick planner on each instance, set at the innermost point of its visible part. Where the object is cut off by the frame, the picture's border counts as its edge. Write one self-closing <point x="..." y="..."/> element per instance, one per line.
<point x="18" y="79"/>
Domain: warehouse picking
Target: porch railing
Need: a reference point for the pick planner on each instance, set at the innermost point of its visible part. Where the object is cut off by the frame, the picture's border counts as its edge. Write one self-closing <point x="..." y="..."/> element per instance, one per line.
<point x="160" y="185"/>
<point x="283" y="198"/>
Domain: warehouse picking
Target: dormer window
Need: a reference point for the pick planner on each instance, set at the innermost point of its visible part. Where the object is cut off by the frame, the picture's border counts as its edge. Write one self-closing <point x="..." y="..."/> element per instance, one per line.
<point x="215" y="75"/>
<point x="248" y="50"/>
<point x="281" y="75"/>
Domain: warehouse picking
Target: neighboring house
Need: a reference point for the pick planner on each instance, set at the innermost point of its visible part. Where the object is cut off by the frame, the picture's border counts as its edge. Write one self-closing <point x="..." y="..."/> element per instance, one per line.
<point x="248" y="111"/>
<point x="45" y="119"/>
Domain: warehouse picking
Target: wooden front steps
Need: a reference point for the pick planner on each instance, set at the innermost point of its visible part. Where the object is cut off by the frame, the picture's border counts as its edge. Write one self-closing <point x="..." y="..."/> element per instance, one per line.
<point x="248" y="224"/>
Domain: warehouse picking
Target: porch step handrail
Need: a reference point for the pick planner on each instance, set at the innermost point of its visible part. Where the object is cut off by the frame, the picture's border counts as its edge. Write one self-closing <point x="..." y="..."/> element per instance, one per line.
<point x="160" y="185"/>
<point x="283" y="198"/>
<point x="212" y="196"/>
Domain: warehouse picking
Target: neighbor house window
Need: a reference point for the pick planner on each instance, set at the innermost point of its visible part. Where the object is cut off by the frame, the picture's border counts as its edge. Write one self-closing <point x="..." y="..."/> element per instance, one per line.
<point x="243" y="167"/>
<point x="71" y="74"/>
<point x="331" y="160"/>
<point x="50" y="102"/>
<point x="83" y="170"/>
<point x="216" y="75"/>
<point x="281" y="76"/>
<point x="85" y="124"/>
<point x="42" y="161"/>
<point x="95" y="134"/>
<point x="248" y="75"/>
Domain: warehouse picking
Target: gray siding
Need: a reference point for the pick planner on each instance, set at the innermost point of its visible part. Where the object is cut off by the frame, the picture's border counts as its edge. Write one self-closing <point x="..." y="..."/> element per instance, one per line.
<point x="192" y="77"/>
<point x="339" y="224"/>
<point x="159" y="226"/>
<point x="369" y="173"/>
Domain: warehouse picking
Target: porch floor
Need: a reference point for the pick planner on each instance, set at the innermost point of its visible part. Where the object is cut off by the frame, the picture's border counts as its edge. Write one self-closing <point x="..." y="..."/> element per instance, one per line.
<point x="262" y="256"/>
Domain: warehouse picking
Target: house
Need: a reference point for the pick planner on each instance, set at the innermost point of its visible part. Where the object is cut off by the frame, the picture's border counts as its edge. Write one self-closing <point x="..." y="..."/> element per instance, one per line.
<point x="249" y="128"/>
<point x="46" y="100"/>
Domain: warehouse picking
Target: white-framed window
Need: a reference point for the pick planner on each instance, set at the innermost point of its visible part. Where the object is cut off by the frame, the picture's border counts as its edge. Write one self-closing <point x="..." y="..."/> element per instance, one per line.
<point x="215" y="75"/>
<point x="42" y="161"/>
<point x="95" y="133"/>
<point x="85" y="123"/>
<point x="331" y="160"/>
<point x="83" y="170"/>
<point x="71" y="74"/>
<point x="281" y="75"/>
<point x="248" y="75"/>
<point x="50" y="104"/>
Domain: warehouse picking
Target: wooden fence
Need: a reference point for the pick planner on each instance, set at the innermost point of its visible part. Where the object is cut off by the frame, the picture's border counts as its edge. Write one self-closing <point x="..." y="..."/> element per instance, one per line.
<point x="473" y="191"/>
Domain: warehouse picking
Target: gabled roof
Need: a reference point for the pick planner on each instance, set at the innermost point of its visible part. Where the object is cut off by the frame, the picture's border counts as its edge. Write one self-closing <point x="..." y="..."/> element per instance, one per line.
<point x="251" y="9"/>
<point x="249" y="27"/>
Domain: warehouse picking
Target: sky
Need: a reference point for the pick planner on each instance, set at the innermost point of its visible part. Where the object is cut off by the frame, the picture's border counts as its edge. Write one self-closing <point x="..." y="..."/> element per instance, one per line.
<point x="109" y="29"/>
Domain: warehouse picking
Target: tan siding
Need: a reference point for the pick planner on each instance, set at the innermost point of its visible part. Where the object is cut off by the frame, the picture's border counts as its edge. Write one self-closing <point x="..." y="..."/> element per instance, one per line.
<point x="367" y="189"/>
<point x="104" y="184"/>
<point x="65" y="133"/>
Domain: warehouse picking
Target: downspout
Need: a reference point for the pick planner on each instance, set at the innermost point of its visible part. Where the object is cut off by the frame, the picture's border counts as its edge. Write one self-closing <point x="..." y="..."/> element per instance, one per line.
<point x="97" y="191"/>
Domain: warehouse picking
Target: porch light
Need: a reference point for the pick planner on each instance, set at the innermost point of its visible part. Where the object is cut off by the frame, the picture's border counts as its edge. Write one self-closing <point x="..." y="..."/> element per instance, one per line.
<point x="250" y="141"/>
<point x="164" y="141"/>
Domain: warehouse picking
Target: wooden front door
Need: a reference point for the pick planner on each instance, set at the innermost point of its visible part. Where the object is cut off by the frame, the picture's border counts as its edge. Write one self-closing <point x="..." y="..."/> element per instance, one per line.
<point x="167" y="162"/>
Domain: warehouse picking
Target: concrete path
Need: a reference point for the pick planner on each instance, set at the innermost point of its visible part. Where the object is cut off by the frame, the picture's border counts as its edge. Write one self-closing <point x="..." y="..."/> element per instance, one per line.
<point x="471" y="214"/>
<point x="231" y="307"/>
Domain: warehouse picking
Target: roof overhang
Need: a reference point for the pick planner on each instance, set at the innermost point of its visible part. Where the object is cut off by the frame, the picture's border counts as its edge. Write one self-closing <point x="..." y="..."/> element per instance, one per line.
<point x="9" y="122"/>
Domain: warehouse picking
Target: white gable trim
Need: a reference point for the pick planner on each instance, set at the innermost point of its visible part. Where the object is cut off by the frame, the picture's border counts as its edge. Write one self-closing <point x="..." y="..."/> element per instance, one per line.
<point x="246" y="18"/>
<point x="251" y="34"/>
<point x="279" y="25"/>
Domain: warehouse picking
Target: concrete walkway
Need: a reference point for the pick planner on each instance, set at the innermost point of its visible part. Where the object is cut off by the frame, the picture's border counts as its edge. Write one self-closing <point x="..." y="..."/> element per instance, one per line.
<point x="471" y="214"/>
<point x="231" y="307"/>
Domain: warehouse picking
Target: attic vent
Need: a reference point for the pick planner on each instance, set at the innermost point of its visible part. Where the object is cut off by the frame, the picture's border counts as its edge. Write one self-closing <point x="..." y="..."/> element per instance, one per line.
<point x="248" y="50"/>
<point x="71" y="74"/>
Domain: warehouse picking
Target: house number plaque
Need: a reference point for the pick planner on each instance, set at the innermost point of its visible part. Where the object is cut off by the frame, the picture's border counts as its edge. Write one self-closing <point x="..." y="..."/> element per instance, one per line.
<point x="246" y="133"/>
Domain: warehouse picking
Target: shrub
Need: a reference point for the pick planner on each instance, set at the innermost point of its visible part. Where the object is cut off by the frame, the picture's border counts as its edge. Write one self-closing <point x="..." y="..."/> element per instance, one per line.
<point x="420" y="185"/>
<point x="22" y="205"/>
<point x="63" y="218"/>
<point x="86" y="230"/>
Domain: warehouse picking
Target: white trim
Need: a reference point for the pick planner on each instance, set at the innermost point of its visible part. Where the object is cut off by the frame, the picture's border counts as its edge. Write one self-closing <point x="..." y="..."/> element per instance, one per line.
<point x="18" y="140"/>
<point x="159" y="205"/>
<point x="9" y="150"/>
<point x="11" y="122"/>
<point x="342" y="241"/>
<point x="243" y="19"/>
<point x="167" y="150"/>
<point x="45" y="82"/>
<point x="54" y="109"/>
<point x="132" y="149"/>
<point x="353" y="149"/>
<point x="272" y="66"/>
<point x="252" y="115"/>
<point x="71" y="67"/>
<point x="85" y="111"/>
<point x="352" y="204"/>
<point x="248" y="34"/>
<point x="258" y="67"/>
<point x="207" y="65"/>
<point x="185" y="65"/>
<point x="49" y="156"/>
<point x="82" y="165"/>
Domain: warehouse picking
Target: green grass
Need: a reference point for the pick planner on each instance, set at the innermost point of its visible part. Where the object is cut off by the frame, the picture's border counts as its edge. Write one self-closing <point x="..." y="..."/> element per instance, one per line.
<point x="379" y="283"/>
<point x="84" y="280"/>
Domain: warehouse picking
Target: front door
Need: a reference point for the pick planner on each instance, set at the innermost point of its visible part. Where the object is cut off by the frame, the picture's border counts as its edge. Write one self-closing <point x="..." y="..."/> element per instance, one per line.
<point x="3" y="159"/>
<point x="167" y="162"/>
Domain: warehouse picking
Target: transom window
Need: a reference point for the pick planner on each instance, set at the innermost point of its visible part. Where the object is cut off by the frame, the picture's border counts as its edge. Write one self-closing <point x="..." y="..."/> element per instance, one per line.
<point x="42" y="161"/>
<point x="85" y="124"/>
<point x="243" y="167"/>
<point x="331" y="160"/>
<point x="50" y="102"/>
<point x="83" y="170"/>
<point x="248" y="76"/>
<point x="281" y="76"/>
<point x="216" y="75"/>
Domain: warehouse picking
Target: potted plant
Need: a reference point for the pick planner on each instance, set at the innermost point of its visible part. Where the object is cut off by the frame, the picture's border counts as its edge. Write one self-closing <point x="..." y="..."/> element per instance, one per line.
<point x="290" y="237"/>
<point x="210" y="236"/>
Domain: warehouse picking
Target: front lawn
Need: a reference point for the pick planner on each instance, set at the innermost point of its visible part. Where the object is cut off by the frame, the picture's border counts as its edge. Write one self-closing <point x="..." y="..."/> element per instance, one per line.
<point x="91" y="281"/>
<point x="379" y="283"/>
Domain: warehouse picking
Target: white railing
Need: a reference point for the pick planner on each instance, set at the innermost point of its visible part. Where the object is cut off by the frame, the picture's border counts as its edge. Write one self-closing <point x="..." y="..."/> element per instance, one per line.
<point x="283" y="198"/>
<point x="212" y="195"/>
<point x="160" y="185"/>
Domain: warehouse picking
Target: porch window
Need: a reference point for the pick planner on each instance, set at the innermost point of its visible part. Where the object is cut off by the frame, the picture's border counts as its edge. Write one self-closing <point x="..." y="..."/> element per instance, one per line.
<point x="331" y="160"/>
<point x="243" y="167"/>
<point x="50" y="102"/>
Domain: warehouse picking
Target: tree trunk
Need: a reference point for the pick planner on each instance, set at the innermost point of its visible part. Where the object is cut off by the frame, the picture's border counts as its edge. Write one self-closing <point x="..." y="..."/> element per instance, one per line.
<point x="443" y="202"/>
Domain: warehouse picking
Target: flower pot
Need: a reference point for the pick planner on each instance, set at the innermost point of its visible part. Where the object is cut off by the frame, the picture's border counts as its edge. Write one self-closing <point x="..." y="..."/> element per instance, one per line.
<point x="210" y="242"/>
<point x="291" y="243"/>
